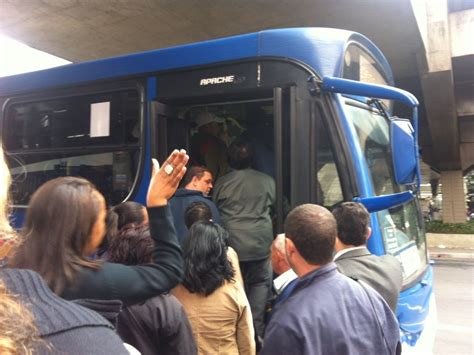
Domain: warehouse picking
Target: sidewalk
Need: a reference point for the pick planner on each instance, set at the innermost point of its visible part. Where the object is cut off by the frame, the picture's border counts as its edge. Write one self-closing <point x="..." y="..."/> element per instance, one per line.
<point x="451" y="247"/>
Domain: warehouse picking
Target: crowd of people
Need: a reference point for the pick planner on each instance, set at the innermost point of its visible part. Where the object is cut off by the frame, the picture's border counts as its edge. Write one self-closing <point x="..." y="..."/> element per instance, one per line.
<point x="193" y="271"/>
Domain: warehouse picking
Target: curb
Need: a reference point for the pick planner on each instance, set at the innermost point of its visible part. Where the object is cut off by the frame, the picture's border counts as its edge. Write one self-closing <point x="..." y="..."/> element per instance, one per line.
<point x="451" y="247"/>
<point x="451" y="255"/>
<point x="461" y="242"/>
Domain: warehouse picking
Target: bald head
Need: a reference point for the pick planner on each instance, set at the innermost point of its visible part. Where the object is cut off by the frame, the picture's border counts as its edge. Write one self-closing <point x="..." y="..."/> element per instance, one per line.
<point x="279" y="261"/>
<point x="312" y="229"/>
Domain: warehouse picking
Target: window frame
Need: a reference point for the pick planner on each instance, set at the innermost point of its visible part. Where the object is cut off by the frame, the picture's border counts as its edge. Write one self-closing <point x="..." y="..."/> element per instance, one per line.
<point x="83" y="90"/>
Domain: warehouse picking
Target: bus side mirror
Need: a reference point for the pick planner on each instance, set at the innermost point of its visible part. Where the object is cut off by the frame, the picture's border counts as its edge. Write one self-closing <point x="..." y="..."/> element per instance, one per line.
<point x="403" y="148"/>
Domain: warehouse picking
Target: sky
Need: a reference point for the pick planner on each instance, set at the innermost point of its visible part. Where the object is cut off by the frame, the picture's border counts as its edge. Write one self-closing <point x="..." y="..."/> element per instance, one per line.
<point x="16" y="58"/>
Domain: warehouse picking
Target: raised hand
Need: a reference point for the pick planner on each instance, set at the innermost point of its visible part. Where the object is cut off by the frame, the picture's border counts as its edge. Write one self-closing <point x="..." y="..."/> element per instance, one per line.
<point x="165" y="180"/>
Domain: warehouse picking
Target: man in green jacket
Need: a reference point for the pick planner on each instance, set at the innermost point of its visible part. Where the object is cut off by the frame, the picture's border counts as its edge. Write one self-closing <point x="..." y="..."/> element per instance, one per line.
<point x="246" y="198"/>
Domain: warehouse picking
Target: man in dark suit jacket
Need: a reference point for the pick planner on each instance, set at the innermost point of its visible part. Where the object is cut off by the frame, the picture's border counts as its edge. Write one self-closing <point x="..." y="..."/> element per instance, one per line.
<point x="353" y="259"/>
<point x="197" y="184"/>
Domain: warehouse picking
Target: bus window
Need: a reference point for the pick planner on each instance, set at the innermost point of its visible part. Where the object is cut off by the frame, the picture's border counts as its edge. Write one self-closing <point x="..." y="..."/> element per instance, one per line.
<point x="93" y="136"/>
<point x="360" y="66"/>
<point x="403" y="237"/>
<point x="328" y="185"/>
<point x="372" y="131"/>
<point x="400" y="226"/>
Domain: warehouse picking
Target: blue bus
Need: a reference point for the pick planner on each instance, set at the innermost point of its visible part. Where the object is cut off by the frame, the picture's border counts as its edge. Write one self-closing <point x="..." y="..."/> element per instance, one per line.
<point x="318" y="103"/>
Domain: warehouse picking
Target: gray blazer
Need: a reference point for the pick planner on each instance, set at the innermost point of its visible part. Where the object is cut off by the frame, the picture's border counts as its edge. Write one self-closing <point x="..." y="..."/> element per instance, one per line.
<point x="382" y="273"/>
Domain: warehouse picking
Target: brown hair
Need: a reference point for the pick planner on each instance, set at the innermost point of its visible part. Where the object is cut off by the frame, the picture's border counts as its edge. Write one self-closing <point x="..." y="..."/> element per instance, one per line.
<point x="353" y="221"/>
<point x="195" y="212"/>
<point x="118" y="217"/>
<point x="194" y="171"/>
<point x="312" y="229"/>
<point x="57" y="228"/>
<point x="8" y="237"/>
<point x="132" y="246"/>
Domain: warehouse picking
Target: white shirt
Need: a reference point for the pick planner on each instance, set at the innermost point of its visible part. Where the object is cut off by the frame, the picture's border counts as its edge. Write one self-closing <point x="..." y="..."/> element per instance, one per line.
<point x="283" y="280"/>
<point x="343" y="251"/>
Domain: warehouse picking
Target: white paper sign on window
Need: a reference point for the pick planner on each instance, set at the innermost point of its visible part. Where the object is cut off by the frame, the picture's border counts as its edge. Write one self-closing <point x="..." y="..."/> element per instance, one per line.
<point x="100" y="119"/>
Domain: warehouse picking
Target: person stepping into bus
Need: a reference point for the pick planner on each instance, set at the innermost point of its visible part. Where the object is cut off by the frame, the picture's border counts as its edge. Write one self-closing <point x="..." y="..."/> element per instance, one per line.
<point x="246" y="201"/>
<point x="65" y="223"/>
<point x="383" y="273"/>
<point x="197" y="183"/>
<point x="159" y="325"/>
<point x="207" y="147"/>
<point x="327" y="312"/>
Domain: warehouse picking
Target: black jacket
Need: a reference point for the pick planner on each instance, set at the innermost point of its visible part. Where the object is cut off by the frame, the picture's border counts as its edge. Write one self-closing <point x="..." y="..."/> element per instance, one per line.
<point x="133" y="284"/>
<point x="67" y="327"/>
<point x="178" y="204"/>
<point x="157" y="326"/>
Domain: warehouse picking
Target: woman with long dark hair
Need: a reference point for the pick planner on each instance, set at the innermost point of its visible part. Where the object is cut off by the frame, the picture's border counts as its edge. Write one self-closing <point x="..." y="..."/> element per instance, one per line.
<point x="216" y="305"/>
<point x="65" y="223"/>
<point x="200" y="211"/>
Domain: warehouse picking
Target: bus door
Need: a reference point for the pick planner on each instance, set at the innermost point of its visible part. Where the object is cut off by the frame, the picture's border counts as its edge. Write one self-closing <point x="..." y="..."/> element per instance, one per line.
<point x="268" y="104"/>
<point x="260" y="118"/>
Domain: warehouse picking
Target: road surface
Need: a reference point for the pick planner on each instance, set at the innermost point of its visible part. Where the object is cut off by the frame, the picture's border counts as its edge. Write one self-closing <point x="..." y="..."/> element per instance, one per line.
<point x="454" y="290"/>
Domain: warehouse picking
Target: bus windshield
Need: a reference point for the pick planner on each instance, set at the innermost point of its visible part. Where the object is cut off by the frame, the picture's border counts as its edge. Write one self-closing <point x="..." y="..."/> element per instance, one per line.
<point x="402" y="232"/>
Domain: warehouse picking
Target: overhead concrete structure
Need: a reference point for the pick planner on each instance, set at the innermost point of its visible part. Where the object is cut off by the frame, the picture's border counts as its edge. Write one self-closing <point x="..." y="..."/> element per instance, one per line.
<point x="428" y="44"/>
<point x="84" y="30"/>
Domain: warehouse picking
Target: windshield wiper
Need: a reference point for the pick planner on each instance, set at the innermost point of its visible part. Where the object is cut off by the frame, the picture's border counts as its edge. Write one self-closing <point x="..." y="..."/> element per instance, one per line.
<point x="379" y="105"/>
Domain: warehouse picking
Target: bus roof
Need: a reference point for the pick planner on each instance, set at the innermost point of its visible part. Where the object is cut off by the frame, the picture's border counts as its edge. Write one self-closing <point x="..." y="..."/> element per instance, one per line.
<point x="319" y="48"/>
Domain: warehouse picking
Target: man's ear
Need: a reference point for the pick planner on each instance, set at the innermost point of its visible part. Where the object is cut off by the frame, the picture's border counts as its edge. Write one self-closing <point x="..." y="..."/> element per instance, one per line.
<point x="369" y="233"/>
<point x="338" y="245"/>
<point x="194" y="180"/>
<point x="290" y="247"/>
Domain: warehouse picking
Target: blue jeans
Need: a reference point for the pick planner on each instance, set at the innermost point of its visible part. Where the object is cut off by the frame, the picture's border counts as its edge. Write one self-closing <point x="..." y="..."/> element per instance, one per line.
<point x="257" y="275"/>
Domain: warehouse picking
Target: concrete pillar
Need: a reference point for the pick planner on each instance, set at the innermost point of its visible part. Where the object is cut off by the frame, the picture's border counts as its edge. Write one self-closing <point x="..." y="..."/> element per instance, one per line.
<point x="437" y="82"/>
<point x="454" y="198"/>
